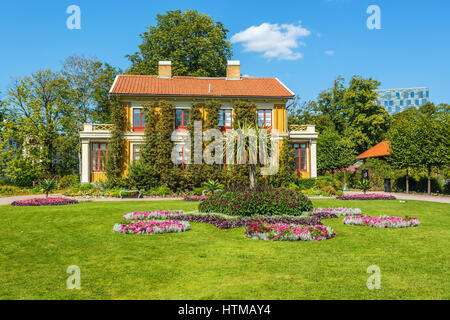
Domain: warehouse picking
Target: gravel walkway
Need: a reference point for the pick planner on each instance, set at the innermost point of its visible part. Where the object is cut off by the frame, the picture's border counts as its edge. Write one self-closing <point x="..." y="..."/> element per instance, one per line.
<point x="405" y="196"/>
<point x="401" y="196"/>
<point x="9" y="200"/>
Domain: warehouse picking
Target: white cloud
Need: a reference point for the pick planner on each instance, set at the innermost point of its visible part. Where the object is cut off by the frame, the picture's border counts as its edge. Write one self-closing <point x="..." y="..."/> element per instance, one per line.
<point x="329" y="52"/>
<point x="273" y="40"/>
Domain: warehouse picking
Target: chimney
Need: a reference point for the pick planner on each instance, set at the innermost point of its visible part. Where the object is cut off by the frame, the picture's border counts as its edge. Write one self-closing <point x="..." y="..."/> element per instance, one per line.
<point x="165" y="69"/>
<point x="233" y="70"/>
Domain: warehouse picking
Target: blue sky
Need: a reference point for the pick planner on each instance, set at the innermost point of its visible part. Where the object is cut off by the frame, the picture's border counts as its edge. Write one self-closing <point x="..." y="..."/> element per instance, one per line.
<point x="318" y="40"/>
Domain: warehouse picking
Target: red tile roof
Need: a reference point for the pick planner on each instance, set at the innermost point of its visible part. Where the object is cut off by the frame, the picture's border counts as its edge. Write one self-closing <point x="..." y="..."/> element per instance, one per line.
<point x="198" y="86"/>
<point x="380" y="150"/>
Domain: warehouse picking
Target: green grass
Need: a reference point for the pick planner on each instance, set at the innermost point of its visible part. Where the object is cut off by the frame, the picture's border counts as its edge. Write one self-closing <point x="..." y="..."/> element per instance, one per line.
<point x="38" y="244"/>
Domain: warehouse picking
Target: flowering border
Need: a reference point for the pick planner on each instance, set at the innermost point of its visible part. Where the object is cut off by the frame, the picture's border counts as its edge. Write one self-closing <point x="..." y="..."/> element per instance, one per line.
<point x="223" y="221"/>
<point x="382" y="221"/>
<point x="36" y="202"/>
<point x="371" y="196"/>
<point x="288" y="232"/>
<point x="340" y="212"/>
<point x="151" y="227"/>
<point x="195" y="198"/>
<point x="157" y="214"/>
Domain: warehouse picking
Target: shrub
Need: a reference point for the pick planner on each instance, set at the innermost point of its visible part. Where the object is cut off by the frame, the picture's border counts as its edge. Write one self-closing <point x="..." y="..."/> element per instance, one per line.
<point x="23" y="172"/>
<point x="114" y="192"/>
<point x="151" y="227"/>
<point x="272" y="202"/>
<point x="381" y="222"/>
<point x="293" y="186"/>
<point x="306" y="183"/>
<point x="164" y="191"/>
<point x="68" y="181"/>
<point x="197" y="191"/>
<point x="5" y="181"/>
<point x="142" y="176"/>
<point x="328" y="191"/>
<point x="8" y="190"/>
<point x="86" y="187"/>
<point x="43" y="202"/>
<point x="286" y="232"/>
<point x="447" y="187"/>
<point x="422" y="185"/>
<point x="399" y="184"/>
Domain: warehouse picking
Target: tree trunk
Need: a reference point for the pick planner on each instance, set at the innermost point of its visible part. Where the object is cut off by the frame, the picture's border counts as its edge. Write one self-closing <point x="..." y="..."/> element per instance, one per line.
<point x="252" y="174"/>
<point x="345" y="179"/>
<point x="407" y="180"/>
<point x="429" y="180"/>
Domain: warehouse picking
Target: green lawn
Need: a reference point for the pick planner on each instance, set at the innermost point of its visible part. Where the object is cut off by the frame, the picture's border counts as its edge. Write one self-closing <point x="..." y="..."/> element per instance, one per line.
<point x="38" y="244"/>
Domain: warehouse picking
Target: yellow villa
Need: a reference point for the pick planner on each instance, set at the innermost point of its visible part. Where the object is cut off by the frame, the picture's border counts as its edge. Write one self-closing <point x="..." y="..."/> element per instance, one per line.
<point x="269" y="94"/>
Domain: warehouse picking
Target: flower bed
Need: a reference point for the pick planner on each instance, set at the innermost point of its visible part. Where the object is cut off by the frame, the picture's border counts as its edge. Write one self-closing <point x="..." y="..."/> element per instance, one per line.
<point x="195" y="198"/>
<point x="44" y="202"/>
<point x="371" y="196"/>
<point x="337" y="211"/>
<point x="151" y="227"/>
<point x="158" y="214"/>
<point x="381" y="222"/>
<point x="288" y="232"/>
<point x="249" y="203"/>
<point x="221" y="221"/>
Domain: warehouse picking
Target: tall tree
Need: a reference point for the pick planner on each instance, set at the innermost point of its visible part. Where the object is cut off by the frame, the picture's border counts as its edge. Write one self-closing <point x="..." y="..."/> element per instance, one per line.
<point x="38" y="102"/>
<point x="404" y="143"/>
<point x="331" y="104"/>
<point x="89" y="81"/>
<point x="434" y="137"/>
<point x="195" y="43"/>
<point x="334" y="151"/>
<point x="369" y="121"/>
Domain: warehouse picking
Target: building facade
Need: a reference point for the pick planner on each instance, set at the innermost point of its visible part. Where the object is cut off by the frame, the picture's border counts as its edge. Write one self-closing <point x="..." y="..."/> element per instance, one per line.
<point x="269" y="94"/>
<point x="397" y="100"/>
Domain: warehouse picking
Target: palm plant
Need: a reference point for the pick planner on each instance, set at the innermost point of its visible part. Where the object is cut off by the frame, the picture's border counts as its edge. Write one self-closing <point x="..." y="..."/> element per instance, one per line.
<point x="47" y="186"/>
<point x="364" y="185"/>
<point x="213" y="186"/>
<point x="250" y="144"/>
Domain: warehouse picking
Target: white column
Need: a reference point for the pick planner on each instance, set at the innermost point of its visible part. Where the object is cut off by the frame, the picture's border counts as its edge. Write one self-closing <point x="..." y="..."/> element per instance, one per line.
<point x="313" y="159"/>
<point x="85" y="162"/>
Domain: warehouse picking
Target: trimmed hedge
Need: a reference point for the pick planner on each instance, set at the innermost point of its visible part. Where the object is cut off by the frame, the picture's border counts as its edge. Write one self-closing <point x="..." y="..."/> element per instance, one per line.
<point x="272" y="203"/>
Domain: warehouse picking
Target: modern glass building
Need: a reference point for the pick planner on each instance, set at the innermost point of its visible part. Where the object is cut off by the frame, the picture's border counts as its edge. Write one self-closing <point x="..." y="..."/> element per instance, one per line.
<point x="397" y="100"/>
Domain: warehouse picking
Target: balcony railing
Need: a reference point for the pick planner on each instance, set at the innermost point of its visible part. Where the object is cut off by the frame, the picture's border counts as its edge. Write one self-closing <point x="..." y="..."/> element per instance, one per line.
<point x="304" y="127"/>
<point x="90" y="127"/>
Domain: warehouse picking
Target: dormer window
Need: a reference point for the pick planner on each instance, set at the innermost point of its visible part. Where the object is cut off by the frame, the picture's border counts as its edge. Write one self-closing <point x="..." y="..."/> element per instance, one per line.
<point x="181" y="118"/>
<point x="225" y="118"/>
<point x="265" y="118"/>
<point x="138" y="119"/>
